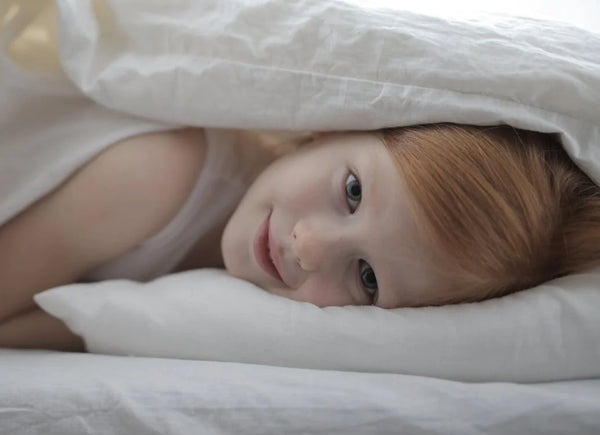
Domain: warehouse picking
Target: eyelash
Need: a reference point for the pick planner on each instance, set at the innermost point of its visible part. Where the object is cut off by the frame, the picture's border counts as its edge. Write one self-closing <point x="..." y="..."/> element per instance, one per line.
<point x="363" y="266"/>
<point x="352" y="207"/>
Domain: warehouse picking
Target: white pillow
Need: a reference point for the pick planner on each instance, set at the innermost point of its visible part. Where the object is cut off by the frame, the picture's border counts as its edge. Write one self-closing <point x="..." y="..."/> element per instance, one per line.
<point x="548" y="333"/>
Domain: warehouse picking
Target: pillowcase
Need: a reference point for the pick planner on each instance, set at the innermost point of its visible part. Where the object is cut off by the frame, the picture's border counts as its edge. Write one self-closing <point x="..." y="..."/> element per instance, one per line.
<point x="547" y="333"/>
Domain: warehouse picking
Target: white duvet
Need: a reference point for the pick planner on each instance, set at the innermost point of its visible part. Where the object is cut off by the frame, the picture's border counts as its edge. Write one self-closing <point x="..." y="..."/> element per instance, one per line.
<point x="315" y="65"/>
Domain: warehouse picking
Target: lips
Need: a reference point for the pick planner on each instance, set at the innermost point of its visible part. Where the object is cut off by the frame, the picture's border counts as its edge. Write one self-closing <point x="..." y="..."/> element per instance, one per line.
<point x="262" y="246"/>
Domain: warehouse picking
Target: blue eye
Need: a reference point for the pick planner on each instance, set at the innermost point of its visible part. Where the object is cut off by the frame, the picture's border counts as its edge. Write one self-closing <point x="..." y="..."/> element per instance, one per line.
<point x="353" y="192"/>
<point x="367" y="278"/>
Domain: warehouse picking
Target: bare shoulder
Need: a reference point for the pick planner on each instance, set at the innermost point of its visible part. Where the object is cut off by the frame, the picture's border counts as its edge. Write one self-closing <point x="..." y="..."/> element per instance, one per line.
<point x="154" y="171"/>
<point x="123" y="196"/>
<point x="134" y="188"/>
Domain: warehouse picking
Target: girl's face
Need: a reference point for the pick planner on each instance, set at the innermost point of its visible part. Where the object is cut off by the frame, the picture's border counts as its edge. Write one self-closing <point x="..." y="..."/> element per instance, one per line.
<point x="329" y="224"/>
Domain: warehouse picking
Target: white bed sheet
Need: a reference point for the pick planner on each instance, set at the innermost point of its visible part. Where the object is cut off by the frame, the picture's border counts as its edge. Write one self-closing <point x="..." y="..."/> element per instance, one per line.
<point x="44" y="392"/>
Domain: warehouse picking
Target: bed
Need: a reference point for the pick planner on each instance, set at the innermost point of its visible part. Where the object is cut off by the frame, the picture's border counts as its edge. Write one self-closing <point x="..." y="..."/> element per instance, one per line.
<point x="525" y="363"/>
<point x="56" y="393"/>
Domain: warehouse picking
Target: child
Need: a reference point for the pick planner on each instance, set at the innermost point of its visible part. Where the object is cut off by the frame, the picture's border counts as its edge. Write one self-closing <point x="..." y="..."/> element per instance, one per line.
<point x="415" y="216"/>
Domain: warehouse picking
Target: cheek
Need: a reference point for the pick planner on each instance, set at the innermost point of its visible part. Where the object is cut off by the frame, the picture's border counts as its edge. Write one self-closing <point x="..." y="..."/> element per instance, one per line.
<point x="300" y="197"/>
<point x="299" y="181"/>
<point x="323" y="293"/>
<point x="303" y="191"/>
<point x="233" y="252"/>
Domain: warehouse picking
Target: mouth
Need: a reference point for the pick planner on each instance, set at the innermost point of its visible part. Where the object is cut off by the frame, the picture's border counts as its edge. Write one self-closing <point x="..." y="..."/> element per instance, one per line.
<point x="262" y="246"/>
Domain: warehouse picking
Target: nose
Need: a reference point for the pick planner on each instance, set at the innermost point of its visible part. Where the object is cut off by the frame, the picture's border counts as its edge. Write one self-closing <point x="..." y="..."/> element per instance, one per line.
<point x="314" y="244"/>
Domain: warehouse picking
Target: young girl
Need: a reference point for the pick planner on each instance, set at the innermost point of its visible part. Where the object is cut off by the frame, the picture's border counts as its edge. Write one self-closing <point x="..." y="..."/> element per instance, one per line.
<point x="415" y="216"/>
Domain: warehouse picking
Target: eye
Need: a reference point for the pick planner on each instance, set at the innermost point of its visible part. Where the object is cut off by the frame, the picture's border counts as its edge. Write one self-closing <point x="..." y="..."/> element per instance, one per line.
<point x="353" y="192"/>
<point x="367" y="278"/>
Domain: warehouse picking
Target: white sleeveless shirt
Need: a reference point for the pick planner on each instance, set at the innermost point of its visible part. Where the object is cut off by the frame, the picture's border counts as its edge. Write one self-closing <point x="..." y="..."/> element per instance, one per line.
<point x="223" y="181"/>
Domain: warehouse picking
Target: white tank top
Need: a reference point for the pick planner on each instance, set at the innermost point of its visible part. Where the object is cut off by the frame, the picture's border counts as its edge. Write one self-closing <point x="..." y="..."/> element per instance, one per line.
<point x="219" y="188"/>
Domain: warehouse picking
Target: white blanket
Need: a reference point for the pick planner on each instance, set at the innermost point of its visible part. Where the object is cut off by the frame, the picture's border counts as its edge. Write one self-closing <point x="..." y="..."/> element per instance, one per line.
<point x="326" y="64"/>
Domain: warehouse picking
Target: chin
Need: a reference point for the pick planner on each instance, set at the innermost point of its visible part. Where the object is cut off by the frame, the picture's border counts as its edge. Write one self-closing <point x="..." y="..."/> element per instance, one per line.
<point x="232" y="268"/>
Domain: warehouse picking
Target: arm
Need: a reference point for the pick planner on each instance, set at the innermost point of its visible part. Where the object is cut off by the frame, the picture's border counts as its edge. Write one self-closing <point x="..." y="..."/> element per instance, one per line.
<point x="125" y="195"/>
<point x="37" y="329"/>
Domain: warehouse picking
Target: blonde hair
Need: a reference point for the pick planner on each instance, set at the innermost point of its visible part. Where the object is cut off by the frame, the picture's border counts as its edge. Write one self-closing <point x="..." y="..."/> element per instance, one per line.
<point x="505" y="209"/>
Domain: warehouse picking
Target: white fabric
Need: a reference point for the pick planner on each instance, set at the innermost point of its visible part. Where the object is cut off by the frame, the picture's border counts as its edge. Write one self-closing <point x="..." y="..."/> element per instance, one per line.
<point x="49" y="129"/>
<point x="53" y="393"/>
<point x="48" y="132"/>
<point x="327" y="64"/>
<point x="549" y="333"/>
<point x="219" y="188"/>
<point x="581" y="13"/>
